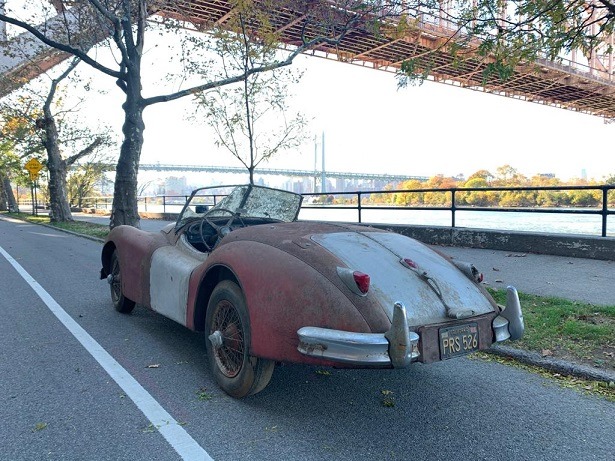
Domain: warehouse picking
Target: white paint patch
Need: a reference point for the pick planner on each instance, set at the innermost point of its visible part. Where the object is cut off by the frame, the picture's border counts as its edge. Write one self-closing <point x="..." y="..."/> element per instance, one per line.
<point x="174" y="434"/>
<point x="169" y="278"/>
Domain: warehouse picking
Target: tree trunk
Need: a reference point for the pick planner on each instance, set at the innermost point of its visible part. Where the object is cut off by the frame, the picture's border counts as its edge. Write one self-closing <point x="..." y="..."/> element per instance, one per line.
<point x="3" y="200"/>
<point x="59" y="208"/>
<point x="7" y="194"/>
<point x="125" y="210"/>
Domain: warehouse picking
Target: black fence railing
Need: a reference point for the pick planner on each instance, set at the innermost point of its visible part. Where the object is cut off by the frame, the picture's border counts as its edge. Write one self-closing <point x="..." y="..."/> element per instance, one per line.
<point x="455" y="201"/>
<point x="597" y="201"/>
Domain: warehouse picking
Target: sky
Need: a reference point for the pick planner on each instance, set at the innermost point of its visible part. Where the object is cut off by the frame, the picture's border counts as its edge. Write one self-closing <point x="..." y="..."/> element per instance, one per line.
<point x="371" y="126"/>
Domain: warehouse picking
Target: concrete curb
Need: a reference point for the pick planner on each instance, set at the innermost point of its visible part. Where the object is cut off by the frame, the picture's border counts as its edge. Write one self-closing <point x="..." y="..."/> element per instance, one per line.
<point x="559" y="366"/>
<point x="76" y="234"/>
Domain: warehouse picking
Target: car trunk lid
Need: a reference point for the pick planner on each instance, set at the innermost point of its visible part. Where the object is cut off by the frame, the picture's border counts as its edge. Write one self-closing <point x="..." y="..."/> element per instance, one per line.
<point x="404" y="270"/>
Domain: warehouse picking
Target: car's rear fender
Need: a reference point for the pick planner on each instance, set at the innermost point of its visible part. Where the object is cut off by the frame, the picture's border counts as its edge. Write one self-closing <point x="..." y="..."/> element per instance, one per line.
<point x="282" y="294"/>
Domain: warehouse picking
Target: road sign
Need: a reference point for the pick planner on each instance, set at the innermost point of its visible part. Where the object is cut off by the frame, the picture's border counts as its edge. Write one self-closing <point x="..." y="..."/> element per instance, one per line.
<point x="33" y="166"/>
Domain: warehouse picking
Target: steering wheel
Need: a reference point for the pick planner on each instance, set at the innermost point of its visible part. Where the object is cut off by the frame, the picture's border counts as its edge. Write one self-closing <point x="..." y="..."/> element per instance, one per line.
<point x="220" y="230"/>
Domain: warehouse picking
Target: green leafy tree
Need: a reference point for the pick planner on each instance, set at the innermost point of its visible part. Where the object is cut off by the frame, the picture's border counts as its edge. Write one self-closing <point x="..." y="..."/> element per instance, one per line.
<point x="9" y="166"/>
<point x="50" y="128"/>
<point x="410" y="198"/>
<point x="84" y="176"/>
<point x="12" y="128"/>
<point x="485" y="175"/>
<point x="610" y="180"/>
<point x="511" y="33"/>
<point x="122" y="25"/>
<point x="477" y="198"/>
<point x="525" y="30"/>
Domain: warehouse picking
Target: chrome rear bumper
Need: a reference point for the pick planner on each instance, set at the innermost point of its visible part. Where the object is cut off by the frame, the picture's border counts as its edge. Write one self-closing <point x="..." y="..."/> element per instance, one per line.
<point x="398" y="347"/>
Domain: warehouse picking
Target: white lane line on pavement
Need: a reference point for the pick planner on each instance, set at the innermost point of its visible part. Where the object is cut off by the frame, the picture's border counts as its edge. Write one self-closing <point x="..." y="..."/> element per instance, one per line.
<point x="174" y="434"/>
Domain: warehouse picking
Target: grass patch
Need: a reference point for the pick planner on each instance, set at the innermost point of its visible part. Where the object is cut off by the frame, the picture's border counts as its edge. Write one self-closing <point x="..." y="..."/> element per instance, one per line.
<point x="567" y="329"/>
<point x="80" y="227"/>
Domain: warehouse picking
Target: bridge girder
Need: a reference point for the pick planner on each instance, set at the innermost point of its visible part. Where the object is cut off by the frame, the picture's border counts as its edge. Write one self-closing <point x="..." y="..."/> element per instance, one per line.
<point x="280" y="172"/>
<point x="565" y="84"/>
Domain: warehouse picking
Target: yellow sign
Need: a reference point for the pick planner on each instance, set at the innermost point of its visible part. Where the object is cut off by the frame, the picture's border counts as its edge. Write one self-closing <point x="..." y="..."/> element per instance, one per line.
<point x="33" y="166"/>
<point x="33" y="176"/>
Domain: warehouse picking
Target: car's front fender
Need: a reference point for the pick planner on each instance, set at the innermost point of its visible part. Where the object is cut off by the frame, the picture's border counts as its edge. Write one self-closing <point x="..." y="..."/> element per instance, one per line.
<point x="134" y="248"/>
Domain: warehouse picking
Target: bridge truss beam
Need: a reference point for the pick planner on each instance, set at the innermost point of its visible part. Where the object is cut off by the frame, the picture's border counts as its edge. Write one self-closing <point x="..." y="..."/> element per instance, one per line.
<point x="281" y="172"/>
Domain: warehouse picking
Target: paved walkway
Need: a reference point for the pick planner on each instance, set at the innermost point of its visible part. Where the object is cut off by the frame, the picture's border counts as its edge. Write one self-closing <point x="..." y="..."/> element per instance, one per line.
<point x="587" y="280"/>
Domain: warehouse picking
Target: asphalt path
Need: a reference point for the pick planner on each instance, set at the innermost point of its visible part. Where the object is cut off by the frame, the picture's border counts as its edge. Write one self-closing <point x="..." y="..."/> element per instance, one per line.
<point x="58" y="402"/>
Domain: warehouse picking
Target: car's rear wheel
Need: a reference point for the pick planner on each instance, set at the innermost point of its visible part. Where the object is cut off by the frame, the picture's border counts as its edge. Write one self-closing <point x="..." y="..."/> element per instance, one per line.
<point x="227" y="326"/>
<point x="120" y="302"/>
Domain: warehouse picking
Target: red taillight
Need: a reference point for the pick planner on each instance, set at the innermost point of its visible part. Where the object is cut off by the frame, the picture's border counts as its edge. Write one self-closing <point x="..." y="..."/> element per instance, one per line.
<point x="362" y="281"/>
<point x="411" y="263"/>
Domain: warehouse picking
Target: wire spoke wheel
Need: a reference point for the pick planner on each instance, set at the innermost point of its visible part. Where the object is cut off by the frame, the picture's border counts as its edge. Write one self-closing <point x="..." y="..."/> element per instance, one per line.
<point x="227" y="328"/>
<point x="229" y="356"/>
<point x="120" y="302"/>
<point x="116" y="282"/>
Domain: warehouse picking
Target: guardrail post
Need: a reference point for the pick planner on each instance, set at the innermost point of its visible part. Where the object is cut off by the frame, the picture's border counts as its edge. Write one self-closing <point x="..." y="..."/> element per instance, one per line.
<point x="453" y="207"/>
<point x="145" y="203"/>
<point x="605" y="208"/>
<point x="359" y="205"/>
<point x="164" y="203"/>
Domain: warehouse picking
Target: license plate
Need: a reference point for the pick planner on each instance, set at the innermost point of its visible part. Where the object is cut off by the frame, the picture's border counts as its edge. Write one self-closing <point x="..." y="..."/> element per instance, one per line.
<point x="458" y="340"/>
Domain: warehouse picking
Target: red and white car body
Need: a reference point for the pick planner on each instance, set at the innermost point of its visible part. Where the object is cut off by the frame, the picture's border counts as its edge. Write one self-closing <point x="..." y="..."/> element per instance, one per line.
<point x="267" y="288"/>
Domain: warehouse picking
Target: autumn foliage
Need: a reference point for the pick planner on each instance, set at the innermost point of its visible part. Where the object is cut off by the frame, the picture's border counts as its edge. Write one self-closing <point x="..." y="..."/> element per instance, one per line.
<point x="436" y="191"/>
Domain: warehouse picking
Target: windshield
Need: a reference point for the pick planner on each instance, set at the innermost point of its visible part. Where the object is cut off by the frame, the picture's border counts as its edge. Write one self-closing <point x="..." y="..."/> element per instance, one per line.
<point x="248" y="201"/>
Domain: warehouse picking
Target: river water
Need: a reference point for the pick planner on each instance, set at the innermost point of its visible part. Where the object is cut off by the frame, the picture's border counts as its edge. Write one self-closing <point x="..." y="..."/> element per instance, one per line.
<point x="513" y="221"/>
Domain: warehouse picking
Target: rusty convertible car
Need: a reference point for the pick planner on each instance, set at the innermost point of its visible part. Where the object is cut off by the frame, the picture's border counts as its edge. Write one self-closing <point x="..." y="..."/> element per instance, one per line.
<point x="267" y="288"/>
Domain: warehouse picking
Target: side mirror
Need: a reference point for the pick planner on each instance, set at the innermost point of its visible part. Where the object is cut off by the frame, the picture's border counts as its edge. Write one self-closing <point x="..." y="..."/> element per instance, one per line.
<point x="200" y="209"/>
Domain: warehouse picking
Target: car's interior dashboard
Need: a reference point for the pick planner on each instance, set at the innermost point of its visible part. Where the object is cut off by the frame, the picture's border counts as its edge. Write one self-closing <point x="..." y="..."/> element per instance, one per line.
<point x="203" y="236"/>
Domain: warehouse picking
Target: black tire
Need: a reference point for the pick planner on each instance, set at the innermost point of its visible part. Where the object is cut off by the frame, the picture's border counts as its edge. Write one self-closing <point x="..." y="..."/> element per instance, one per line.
<point x="120" y="302"/>
<point x="237" y="372"/>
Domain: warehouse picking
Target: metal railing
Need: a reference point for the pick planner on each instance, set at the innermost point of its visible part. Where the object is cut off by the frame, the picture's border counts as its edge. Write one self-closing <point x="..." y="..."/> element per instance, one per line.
<point x="455" y="201"/>
<point x="457" y="196"/>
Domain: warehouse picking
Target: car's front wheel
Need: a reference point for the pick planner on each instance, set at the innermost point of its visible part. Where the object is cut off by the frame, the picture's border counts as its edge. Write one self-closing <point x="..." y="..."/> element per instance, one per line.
<point x="227" y="327"/>
<point x="120" y="302"/>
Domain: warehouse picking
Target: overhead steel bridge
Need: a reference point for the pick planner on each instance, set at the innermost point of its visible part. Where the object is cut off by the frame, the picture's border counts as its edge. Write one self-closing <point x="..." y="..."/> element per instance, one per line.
<point x="388" y="178"/>
<point x="585" y="85"/>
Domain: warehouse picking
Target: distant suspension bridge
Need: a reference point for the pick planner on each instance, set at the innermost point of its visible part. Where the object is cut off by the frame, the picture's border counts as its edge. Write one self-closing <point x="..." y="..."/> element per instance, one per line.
<point x="387" y="178"/>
